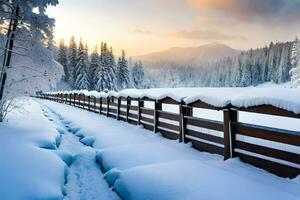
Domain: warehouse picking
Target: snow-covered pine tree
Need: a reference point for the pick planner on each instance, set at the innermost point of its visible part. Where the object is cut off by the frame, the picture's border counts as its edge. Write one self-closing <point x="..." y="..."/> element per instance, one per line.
<point x="246" y="72"/>
<point x="106" y="70"/>
<point x="29" y="66"/>
<point x="94" y="65"/>
<point x="138" y="75"/>
<point x="82" y="78"/>
<point x="72" y="61"/>
<point x="63" y="60"/>
<point x="122" y="73"/>
<point x="295" y="62"/>
<point x="111" y="66"/>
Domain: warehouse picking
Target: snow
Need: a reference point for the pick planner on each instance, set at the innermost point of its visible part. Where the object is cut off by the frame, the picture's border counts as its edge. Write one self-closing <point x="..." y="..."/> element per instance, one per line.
<point x="199" y="180"/>
<point x="287" y="99"/>
<point x="28" y="169"/>
<point x="143" y="165"/>
<point x="85" y="179"/>
<point x="281" y="97"/>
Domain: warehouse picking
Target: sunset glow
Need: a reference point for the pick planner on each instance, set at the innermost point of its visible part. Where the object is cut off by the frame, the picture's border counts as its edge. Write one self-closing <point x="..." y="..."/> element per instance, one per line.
<point x="149" y="25"/>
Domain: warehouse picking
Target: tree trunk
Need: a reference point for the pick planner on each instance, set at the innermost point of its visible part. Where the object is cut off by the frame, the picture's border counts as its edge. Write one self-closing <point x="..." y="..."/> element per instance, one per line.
<point x="1" y="111"/>
<point x="8" y="49"/>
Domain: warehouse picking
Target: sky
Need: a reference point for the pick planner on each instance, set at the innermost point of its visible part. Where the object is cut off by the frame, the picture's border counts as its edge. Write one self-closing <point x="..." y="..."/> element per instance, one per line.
<point x="143" y="26"/>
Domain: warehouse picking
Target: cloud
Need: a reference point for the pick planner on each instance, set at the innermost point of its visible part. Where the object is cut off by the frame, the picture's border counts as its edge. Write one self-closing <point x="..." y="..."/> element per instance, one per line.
<point x="205" y="35"/>
<point x="215" y="22"/>
<point x="143" y="32"/>
<point x="263" y="11"/>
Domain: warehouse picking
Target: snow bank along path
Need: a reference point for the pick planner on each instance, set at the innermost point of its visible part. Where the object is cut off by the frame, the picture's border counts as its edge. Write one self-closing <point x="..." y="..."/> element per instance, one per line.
<point x="30" y="167"/>
<point x="84" y="180"/>
<point x="143" y="165"/>
<point x="41" y="159"/>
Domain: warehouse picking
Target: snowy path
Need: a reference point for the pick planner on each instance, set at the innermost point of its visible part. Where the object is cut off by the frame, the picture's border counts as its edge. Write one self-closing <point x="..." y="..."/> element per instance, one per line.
<point x="85" y="180"/>
<point x="143" y="165"/>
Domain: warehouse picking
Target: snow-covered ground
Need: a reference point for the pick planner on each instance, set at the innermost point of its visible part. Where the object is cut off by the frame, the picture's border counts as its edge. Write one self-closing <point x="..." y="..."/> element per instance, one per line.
<point x="143" y="165"/>
<point x="29" y="168"/>
<point x="41" y="159"/>
<point x="84" y="180"/>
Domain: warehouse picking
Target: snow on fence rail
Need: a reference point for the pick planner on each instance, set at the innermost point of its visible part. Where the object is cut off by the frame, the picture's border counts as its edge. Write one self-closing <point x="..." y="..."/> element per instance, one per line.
<point x="273" y="149"/>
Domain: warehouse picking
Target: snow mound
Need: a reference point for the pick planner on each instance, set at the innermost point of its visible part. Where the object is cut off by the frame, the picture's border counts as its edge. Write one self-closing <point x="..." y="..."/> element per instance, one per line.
<point x="197" y="180"/>
<point x="287" y="99"/>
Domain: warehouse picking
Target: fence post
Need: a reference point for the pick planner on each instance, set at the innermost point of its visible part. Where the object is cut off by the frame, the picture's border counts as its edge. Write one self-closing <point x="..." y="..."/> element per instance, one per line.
<point x="107" y="112"/>
<point x="89" y="106"/>
<point x="100" y="105"/>
<point x="95" y="99"/>
<point x="140" y="105"/>
<point x="74" y="99"/>
<point x="157" y="107"/>
<point x="118" y="108"/>
<point x="184" y="111"/>
<point x="83" y="105"/>
<point x="128" y="103"/>
<point x="229" y="116"/>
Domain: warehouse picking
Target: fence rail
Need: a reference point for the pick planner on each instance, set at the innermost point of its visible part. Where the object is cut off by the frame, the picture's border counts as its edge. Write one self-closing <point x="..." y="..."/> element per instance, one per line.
<point x="275" y="150"/>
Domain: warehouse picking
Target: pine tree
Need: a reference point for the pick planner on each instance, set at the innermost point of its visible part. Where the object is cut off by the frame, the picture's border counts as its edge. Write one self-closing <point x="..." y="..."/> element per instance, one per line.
<point x="138" y="75"/>
<point x="72" y="61"/>
<point x="123" y="77"/>
<point x="94" y="65"/>
<point x="246" y="72"/>
<point x="295" y="62"/>
<point x="82" y="78"/>
<point x="106" y="70"/>
<point x="63" y="60"/>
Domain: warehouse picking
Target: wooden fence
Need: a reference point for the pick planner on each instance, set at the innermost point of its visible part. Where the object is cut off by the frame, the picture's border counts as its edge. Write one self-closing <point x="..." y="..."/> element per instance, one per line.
<point x="275" y="150"/>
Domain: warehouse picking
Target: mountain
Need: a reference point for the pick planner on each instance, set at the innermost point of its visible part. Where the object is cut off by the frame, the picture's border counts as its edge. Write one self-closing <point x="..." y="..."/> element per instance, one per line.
<point x="190" y="55"/>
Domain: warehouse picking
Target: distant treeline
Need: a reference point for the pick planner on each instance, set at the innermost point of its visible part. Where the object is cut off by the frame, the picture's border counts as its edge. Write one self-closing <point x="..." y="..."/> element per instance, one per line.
<point x="250" y="68"/>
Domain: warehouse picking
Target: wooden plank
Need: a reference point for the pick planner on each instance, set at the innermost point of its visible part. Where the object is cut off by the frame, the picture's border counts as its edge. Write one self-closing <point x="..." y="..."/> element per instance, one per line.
<point x="123" y="106"/>
<point x="147" y="99"/>
<point x="205" y="136"/>
<point x="169" y="100"/>
<point x="269" y="110"/>
<point x="112" y="110"/>
<point x="201" y="104"/>
<point x="147" y="111"/>
<point x="272" y="134"/>
<point x="104" y="100"/>
<point x="205" y="123"/>
<point x="122" y="113"/>
<point x="147" y="119"/>
<point x="266" y="151"/>
<point x="133" y="108"/>
<point x="168" y="115"/>
<point x="201" y="146"/>
<point x="133" y="115"/>
<point x="113" y="104"/>
<point x="168" y="134"/>
<point x="130" y="121"/>
<point x="168" y="126"/>
<point x="147" y="126"/>
<point x="273" y="167"/>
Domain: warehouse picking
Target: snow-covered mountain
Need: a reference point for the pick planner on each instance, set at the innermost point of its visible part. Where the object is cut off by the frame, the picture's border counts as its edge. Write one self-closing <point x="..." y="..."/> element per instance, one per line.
<point x="193" y="55"/>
